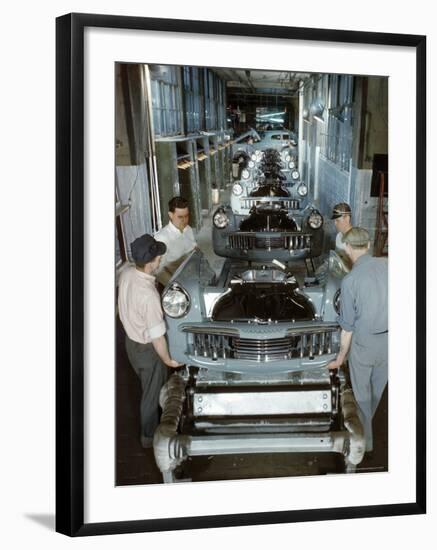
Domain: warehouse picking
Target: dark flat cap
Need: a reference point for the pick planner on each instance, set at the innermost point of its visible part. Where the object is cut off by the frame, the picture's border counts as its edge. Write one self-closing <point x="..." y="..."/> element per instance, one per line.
<point x="145" y="249"/>
<point x="340" y="209"/>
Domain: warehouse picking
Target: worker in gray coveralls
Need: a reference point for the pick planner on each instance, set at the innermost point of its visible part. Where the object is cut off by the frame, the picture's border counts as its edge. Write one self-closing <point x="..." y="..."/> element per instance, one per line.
<point x="140" y="311"/>
<point x="364" y="322"/>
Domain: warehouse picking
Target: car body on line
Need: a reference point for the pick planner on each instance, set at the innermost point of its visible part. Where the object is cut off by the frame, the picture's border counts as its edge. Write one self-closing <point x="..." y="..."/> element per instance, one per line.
<point x="270" y="214"/>
<point x="255" y="343"/>
<point x="254" y="140"/>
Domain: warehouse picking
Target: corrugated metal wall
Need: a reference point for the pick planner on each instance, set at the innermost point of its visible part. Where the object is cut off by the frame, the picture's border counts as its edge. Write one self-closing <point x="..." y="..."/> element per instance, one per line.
<point x="332" y="147"/>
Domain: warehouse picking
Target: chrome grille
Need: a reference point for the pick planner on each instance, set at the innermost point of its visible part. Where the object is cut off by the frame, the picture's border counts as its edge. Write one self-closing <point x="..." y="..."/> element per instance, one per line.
<point x="244" y="241"/>
<point x="240" y="242"/>
<point x="289" y="204"/>
<point x="299" y="344"/>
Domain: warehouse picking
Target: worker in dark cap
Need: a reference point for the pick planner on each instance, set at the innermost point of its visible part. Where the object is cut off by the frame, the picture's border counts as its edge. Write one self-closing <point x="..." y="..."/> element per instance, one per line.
<point x="364" y="322"/>
<point x="140" y="311"/>
<point x="342" y="216"/>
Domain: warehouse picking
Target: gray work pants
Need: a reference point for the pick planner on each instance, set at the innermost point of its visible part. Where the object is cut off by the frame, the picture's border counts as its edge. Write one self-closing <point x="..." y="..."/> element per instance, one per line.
<point x="368" y="367"/>
<point x="153" y="375"/>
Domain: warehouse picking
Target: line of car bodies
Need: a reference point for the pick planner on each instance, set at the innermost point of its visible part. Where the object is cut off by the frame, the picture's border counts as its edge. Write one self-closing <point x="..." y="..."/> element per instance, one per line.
<point x="255" y="338"/>
<point x="269" y="215"/>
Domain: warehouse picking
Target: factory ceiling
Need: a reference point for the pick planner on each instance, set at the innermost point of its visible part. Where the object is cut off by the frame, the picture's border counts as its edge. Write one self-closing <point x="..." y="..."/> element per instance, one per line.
<point x="263" y="82"/>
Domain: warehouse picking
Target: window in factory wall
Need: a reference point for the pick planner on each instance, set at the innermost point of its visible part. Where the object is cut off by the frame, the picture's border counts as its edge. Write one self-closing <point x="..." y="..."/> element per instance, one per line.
<point x="214" y="101"/>
<point x="221" y="105"/>
<point x="193" y="99"/>
<point x="337" y="146"/>
<point x="166" y="100"/>
<point x="332" y="95"/>
<point x="271" y="118"/>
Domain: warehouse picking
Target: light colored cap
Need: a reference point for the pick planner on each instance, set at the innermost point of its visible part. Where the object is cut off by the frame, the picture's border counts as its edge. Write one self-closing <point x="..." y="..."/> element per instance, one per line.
<point x="357" y="237"/>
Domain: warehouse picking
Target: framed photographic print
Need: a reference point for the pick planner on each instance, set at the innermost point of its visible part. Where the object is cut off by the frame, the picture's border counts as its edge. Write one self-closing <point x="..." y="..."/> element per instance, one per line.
<point x="240" y="293"/>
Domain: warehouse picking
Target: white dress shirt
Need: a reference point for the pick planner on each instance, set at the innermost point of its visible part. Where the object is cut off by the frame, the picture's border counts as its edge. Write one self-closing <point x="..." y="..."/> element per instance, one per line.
<point x="179" y="243"/>
<point x="339" y="244"/>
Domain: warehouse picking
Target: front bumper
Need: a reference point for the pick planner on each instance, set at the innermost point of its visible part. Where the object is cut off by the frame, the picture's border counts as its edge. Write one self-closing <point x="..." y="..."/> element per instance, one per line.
<point x="173" y="444"/>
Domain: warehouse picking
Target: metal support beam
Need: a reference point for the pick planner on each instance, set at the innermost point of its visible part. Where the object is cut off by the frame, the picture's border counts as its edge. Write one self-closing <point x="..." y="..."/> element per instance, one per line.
<point x="266" y="443"/>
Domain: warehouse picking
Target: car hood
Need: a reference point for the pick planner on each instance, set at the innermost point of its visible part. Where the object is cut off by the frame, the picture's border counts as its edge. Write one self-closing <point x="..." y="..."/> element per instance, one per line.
<point x="268" y="220"/>
<point x="263" y="302"/>
<point x="269" y="190"/>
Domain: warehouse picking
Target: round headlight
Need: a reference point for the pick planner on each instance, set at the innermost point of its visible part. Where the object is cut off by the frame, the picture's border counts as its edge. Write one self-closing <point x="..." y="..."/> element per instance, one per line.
<point x="302" y="190"/>
<point x="287" y="158"/>
<point x="175" y="301"/>
<point x="253" y="156"/>
<point x="291" y="164"/>
<point x="336" y="301"/>
<point x="251" y="164"/>
<point x="237" y="189"/>
<point x="245" y="174"/>
<point x="295" y="175"/>
<point x="220" y="219"/>
<point x="315" y="220"/>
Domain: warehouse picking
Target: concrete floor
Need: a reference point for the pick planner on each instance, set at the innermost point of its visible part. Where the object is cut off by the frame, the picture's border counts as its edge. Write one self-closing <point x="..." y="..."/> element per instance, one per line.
<point x="136" y="466"/>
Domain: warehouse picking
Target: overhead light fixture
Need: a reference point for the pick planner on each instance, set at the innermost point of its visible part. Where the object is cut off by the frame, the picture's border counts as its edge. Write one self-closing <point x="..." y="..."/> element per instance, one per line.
<point x="316" y="110"/>
<point x="306" y="116"/>
<point x="271" y="114"/>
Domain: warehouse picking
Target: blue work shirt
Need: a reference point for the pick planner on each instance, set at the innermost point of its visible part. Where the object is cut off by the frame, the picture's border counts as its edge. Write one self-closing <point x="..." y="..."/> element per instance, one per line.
<point x="364" y="299"/>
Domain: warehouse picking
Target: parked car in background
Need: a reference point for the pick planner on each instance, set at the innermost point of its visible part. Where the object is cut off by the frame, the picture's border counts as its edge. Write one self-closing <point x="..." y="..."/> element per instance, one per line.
<point x="277" y="139"/>
<point x="254" y="140"/>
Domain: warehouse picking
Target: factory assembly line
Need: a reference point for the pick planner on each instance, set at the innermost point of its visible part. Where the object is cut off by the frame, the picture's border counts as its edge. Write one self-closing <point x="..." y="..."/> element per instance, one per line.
<point x="255" y="342"/>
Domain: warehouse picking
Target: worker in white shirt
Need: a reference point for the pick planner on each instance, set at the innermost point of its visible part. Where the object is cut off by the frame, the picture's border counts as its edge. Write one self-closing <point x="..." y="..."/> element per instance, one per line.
<point x="178" y="236"/>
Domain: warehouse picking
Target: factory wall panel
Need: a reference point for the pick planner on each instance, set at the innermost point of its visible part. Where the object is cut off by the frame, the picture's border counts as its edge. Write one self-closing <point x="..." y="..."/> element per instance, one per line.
<point x="334" y="187"/>
<point x="364" y="207"/>
<point x="132" y="185"/>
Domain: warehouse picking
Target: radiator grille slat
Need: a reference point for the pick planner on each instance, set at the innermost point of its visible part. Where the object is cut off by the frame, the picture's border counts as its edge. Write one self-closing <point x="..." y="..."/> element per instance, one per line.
<point x="300" y="345"/>
<point x="286" y="242"/>
<point x="289" y="204"/>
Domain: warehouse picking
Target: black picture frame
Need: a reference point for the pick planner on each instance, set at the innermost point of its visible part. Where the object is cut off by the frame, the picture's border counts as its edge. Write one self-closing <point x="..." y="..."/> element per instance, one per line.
<point x="70" y="273"/>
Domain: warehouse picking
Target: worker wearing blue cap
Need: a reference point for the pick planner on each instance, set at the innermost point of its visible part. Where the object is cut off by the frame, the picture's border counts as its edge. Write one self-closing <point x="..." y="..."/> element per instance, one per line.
<point x="141" y="314"/>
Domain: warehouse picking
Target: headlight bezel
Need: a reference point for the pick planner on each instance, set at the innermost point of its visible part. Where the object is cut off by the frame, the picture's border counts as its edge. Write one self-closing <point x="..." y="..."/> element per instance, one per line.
<point x="295" y="175"/>
<point x="237" y="189"/>
<point x="245" y="174"/>
<point x="220" y="212"/>
<point x="291" y="165"/>
<point x="302" y="190"/>
<point x="317" y="214"/>
<point x="176" y="288"/>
